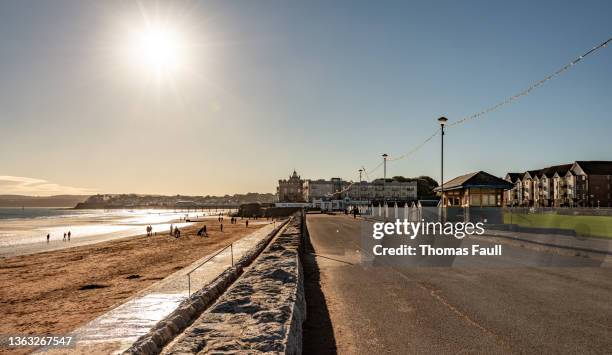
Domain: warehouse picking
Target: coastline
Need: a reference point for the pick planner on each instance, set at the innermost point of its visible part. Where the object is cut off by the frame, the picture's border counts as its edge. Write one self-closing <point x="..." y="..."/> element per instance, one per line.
<point x="27" y="235"/>
<point x="57" y="291"/>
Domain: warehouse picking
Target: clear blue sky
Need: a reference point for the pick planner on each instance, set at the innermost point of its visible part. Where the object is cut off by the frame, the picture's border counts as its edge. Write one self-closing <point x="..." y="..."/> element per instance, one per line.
<point x="320" y="86"/>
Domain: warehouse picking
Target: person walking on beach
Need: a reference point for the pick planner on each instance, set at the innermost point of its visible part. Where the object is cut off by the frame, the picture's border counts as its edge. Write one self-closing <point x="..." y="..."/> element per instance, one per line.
<point x="69" y="234"/>
<point x="170" y="228"/>
<point x="48" y="236"/>
<point x="247" y="223"/>
<point x="221" y="227"/>
<point x="63" y="240"/>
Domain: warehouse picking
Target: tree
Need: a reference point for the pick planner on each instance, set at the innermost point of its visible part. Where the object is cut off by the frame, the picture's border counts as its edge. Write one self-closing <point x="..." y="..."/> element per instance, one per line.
<point x="425" y="185"/>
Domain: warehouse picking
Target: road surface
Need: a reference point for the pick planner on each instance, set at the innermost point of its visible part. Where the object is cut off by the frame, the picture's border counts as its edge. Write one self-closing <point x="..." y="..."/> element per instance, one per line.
<point x="356" y="308"/>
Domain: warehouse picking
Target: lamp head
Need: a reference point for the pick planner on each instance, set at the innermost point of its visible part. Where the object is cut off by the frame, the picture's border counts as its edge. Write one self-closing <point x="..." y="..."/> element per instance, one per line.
<point x="385" y="155"/>
<point x="442" y="120"/>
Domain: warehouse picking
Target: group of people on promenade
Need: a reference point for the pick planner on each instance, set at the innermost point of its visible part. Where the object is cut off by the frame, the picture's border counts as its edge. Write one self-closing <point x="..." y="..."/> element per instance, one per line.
<point x="65" y="239"/>
<point x="149" y="231"/>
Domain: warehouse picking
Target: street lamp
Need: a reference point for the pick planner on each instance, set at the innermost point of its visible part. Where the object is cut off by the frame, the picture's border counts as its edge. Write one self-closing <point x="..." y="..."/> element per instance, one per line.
<point x="442" y="121"/>
<point x="384" y="176"/>
<point x="359" y="194"/>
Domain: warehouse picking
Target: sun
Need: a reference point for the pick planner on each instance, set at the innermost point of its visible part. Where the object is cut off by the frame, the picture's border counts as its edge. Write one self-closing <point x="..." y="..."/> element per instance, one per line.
<point x="158" y="49"/>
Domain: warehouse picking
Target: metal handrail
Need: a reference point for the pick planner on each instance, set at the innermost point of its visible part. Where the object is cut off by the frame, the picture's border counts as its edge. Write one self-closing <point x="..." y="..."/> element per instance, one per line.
<point x="231" y="246"/>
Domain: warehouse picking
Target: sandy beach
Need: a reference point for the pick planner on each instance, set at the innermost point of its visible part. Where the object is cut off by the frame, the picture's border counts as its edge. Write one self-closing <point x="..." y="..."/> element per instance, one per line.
<point x="55" y="292"/>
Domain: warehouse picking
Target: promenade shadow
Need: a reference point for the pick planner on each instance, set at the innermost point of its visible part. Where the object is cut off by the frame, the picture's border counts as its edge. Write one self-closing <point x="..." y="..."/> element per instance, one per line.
<point x="318" y="333"/>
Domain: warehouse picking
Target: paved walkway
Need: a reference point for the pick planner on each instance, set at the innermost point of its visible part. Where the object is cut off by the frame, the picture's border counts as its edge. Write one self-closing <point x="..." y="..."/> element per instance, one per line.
<point x="598" y="245"/>
<point x="116" y="330"/>
<point x="358" y="308"/>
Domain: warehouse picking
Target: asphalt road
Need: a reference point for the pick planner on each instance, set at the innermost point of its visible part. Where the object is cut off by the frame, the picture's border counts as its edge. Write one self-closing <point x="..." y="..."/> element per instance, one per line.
<point x="355" y="307"/>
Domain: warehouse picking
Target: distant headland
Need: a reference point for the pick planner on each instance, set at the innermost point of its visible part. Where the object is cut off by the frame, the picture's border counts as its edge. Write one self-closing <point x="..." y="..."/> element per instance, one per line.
<point x="110" y="201"/>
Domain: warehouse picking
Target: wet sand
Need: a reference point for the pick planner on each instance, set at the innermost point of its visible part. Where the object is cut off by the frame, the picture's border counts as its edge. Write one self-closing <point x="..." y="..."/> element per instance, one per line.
<point x="21" y="236"/>
<point x="55" y="292"/>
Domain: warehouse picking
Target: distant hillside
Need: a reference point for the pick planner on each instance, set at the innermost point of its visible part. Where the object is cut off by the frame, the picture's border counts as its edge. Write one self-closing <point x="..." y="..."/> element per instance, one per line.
<point x="41" y="201"/>
<point x="108" y="201"/>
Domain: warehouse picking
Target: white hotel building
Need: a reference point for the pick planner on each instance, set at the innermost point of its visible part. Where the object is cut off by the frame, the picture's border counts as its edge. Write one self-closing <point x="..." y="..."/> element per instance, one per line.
<point x="336" y="189"/>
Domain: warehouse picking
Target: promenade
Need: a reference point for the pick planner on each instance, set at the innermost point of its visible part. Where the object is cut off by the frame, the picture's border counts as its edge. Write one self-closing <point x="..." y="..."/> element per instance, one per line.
<point x="117" y="329"/>
<point x="359" y="308"/>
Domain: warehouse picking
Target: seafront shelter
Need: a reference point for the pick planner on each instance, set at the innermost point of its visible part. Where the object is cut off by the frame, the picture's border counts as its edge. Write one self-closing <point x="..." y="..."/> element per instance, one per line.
<point x="478" y="189"/>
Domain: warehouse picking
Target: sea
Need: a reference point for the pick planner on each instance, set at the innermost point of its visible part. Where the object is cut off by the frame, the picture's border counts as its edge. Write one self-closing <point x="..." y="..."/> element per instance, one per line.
<point x="31" y="225"/>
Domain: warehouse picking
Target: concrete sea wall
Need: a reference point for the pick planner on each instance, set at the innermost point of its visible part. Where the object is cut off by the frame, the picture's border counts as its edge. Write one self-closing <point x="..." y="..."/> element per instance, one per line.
<point x="176" y="322"/>
<point x="262" y="311"/>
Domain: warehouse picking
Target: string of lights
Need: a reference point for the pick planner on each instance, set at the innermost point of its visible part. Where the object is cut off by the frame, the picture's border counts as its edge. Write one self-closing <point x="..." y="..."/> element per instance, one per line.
<point x="500" y="104"/>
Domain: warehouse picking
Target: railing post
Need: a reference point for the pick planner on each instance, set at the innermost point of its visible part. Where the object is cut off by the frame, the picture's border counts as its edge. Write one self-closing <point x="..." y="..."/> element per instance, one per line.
<point x="232" y="252"/>
<point x="189" y="281"/>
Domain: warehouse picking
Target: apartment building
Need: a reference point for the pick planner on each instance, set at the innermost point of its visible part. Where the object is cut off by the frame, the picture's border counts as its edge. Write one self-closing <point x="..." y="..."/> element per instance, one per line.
<point x="580" y="184"/>
<point x="374" y="191"/>
<point x="322" y="189"/>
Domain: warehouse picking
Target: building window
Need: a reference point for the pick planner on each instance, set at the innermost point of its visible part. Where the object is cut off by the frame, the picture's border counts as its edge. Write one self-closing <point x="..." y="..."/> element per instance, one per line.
<point x="475" y="200"/>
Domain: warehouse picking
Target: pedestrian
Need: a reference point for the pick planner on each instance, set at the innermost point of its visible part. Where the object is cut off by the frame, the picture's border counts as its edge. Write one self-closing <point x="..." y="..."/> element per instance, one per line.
<point x="247" y="223"/>
<point x="202" y="232"/>
<point x="221" y="227"/>
<point x="69" y="234"/>
<point x="63" y="240"/>
<point x="48" y="236"/>
<point x="170" y="228"/>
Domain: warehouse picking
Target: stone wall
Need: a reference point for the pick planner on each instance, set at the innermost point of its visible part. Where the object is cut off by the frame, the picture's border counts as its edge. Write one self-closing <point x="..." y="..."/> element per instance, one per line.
<point x="262" y="311"/>
<point x="176" y="322"/>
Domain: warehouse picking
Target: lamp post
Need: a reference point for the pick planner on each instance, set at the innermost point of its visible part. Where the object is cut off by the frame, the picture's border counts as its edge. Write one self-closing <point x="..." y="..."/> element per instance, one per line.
<point x="442" y="121"/>
<point x="359" y="194"/>
<point x="384" y="177"/>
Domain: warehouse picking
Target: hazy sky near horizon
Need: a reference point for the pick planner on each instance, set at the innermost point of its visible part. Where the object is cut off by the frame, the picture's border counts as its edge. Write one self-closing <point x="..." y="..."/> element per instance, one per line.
<point x="264" y="87"/>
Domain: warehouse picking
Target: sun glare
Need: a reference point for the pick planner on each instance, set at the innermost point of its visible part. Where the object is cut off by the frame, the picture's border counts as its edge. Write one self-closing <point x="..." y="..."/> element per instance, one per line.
<point x="157" y="48"/>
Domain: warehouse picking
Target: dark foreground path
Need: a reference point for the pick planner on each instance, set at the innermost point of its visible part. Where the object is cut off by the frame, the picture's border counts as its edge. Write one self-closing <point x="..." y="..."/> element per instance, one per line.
<point x="358" y="309"/>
